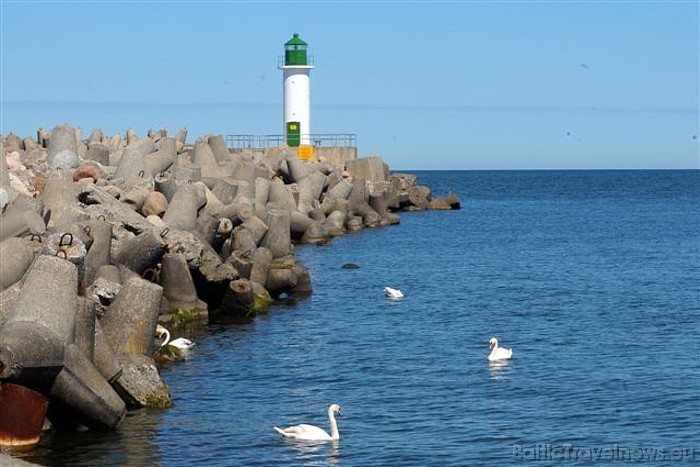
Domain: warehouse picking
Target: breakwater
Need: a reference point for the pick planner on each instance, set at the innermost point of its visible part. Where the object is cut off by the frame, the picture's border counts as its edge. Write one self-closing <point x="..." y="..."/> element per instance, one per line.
<point x="104" y="238"/>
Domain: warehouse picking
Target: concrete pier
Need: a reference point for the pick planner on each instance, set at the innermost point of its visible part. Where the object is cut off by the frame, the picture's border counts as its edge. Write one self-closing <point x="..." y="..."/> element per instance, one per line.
<point x="103" y="238"/>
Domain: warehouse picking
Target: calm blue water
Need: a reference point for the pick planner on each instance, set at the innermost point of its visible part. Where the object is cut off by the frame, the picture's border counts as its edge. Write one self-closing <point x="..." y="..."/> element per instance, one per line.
<point x="591" y="276"/>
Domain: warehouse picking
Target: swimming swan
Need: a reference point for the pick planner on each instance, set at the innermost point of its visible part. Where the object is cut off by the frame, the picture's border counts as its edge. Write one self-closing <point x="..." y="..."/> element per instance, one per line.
<point x="498" y="353"/>
<point x="181" y="343"/>
<point x="306" y="432"/>
<point x="393" y="293"/>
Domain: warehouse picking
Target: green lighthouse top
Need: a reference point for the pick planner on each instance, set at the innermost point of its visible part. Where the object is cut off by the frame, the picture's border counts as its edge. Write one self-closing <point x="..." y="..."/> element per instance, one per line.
<point x="295" y="40"/>
<point x="295" y="51"/>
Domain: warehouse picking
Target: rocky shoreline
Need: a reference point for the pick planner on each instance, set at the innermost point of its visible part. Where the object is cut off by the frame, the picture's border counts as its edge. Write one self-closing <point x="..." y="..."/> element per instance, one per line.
<point x="104" y="238"/>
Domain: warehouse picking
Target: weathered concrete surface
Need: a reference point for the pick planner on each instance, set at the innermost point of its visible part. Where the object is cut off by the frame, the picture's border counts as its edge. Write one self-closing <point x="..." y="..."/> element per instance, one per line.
<point x="47" y="299"/>
<point x="178" y="285"/>
<point x="16" y="256"/>
<point x="140" y="384"/>
<point x="141" y="252"/>
<point x="18" y="223"/>
<point x="103" y="356"/>
<point x="130" y="321"/>
<point x="80" y="387"/>
<point x="63" y="148"/>
<point x="373" y="169"/>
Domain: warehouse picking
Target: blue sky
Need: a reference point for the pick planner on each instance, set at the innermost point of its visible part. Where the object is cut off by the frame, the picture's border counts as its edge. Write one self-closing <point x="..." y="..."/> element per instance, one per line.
<point x="426" y="85"/>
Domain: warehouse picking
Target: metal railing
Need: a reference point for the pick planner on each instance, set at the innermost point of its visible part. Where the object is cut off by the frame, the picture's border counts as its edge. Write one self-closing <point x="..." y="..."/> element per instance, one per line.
<point x="268" y="141"/>
<point x="309" y="61"/>
<point x="254" y="141"/>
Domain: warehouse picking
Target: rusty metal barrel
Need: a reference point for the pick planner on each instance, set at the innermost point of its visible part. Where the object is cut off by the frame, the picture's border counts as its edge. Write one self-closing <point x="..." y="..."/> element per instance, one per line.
<point x="22" y="413"/>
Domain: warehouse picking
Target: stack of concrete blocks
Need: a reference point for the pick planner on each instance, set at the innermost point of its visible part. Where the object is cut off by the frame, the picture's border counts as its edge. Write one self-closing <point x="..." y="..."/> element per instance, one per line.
<point x="103" y="238"/>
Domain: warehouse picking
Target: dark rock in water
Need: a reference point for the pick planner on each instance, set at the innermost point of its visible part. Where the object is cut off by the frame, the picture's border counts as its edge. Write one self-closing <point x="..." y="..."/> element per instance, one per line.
<point x="449" y="202"/>
<point x="245" y="298"/>
<point x="140" y="384"/>
<point x="350" y="266"/>
<point x="168" y="354"/>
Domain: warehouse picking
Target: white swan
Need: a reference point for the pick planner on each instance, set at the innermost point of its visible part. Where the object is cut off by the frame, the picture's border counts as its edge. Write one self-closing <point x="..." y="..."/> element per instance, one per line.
<point x="306" y="432"/>
<point x="498" y="353"/>
<point x="181" y="343"/>
<point x="393" y="293"/>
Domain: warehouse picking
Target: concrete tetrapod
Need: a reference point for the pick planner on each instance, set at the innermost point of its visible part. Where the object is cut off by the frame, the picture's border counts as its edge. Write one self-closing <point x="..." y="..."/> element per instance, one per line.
<point x="16" y="256"/>
<point x="177" y="283"/>
<point x="278" y="237"/>
<point x="182" y="210"/>
<point x="129" y="324"/>
<point x="99" y="253"/>
<point x="84" y="397"/>
<point x="37" y="350"/>
<point x="141" y="252"/>
<point x="130" y="321"/>
<point x="21" y="222"/>
<point x="40" y="324"/>
<point x="103" y="356"/>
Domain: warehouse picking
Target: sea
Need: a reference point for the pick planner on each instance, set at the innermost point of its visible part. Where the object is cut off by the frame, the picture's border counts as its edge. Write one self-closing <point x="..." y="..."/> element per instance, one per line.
<point x="592" y="277"/>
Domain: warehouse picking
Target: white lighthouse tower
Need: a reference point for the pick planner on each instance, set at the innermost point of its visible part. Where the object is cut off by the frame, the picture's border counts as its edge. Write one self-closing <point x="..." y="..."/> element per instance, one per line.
<point x="297" y="93"/>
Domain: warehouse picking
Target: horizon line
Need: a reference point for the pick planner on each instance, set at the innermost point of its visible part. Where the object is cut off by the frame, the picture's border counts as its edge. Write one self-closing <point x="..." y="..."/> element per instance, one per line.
<point x="363" y="106"/>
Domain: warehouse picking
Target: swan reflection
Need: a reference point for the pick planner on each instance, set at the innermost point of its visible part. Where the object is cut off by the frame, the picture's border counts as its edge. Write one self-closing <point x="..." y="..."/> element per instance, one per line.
<point x="312" y="452"/>
<point x="498" y="368"/>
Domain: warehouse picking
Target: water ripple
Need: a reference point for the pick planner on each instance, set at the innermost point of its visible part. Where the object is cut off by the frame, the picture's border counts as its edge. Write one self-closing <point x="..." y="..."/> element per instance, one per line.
<point x="588" y="277"/>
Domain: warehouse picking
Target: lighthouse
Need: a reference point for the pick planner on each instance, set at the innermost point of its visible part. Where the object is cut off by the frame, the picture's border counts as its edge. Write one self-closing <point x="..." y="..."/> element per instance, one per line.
<point x="297" y="92"/>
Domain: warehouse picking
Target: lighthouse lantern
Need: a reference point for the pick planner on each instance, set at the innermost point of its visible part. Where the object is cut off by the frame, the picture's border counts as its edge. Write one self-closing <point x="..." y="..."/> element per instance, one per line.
<point x="295" y="51"/>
